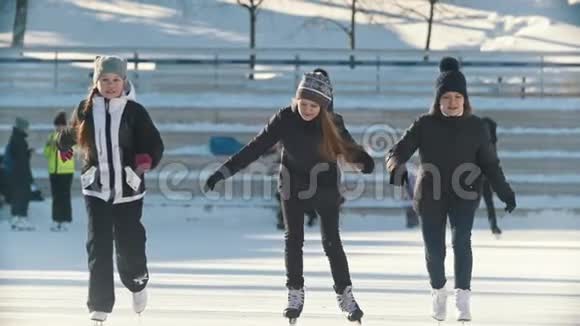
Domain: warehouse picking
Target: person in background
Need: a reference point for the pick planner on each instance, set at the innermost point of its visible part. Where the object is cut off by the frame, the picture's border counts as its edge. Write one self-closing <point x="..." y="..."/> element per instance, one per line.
<point x="17" y="168"/>
<point x="61" y="174"/>
<point x="412" y="219"/>
<point x="486" y="185"/>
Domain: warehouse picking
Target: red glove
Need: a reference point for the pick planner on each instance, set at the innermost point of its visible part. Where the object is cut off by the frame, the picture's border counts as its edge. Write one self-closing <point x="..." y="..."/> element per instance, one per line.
<point x="66" y="155"/>
<point x="143" y="163"/>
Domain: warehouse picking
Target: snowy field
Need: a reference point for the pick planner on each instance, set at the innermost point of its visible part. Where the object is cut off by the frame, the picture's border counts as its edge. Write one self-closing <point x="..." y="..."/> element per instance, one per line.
<point x="225" y="267"/>
<point x="547" y="25"/>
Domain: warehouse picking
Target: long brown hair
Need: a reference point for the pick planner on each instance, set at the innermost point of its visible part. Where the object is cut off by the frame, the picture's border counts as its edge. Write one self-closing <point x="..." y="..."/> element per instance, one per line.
<point x="332" y="145"/>
<point x="85" y="137"/>
<point x="436" y="108"/>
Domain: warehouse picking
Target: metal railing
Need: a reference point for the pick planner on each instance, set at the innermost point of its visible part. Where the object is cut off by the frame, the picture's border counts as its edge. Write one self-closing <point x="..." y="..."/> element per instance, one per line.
<point x="365" y="71"/>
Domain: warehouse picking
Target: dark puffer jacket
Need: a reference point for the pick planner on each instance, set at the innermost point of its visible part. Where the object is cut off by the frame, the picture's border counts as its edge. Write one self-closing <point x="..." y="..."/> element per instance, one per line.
<point x="301" y="155"/>
<point x="454" y="151"/>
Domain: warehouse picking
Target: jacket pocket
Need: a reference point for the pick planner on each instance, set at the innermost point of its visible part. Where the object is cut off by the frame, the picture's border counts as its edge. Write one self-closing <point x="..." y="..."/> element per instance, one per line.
<point x="132" y="179"/>
<point x="88" y="177"/>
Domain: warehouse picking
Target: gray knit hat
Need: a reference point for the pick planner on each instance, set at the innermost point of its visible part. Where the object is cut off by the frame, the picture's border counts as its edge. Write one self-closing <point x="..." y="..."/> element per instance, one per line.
<point x="109" y="64"/>
<point x="315" y="86"/>
<point x="21" y="124"/>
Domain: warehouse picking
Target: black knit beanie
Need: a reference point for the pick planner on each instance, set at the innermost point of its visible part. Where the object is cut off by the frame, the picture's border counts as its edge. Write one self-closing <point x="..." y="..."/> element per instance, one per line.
<point x="450" y="78"/>
<point x="315" y="86"/>
<point x="60" y="119"/>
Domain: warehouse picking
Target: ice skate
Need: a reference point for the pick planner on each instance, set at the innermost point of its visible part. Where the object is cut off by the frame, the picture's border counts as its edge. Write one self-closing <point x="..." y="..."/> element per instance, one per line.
<point x="439" y="297"/>
<point x="98" y="317"/>
<point x="140" y="301"/>
<point x="462" y="298"/>
<point x="295" y="305"/>
<point x="348" y="304"/>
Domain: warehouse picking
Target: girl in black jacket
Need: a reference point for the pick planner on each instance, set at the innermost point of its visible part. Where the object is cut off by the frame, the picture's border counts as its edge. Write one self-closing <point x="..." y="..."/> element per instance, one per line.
<point x="119" y="143"/>
<point x="313" y="140"/>
<point x="454" y="149"/>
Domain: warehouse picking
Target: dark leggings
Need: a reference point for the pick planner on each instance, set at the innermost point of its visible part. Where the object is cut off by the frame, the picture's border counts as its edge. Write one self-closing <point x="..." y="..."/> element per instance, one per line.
<point x="327" y="207"/>
<point x="461" y="215"/>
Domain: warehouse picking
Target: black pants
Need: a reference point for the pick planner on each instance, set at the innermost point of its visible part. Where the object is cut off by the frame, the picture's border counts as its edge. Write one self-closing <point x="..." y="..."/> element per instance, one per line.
<point x="121" y="223"/>
<point x="326" y="204"/>
<point x="461" y="215"/>
<point x="19" y="198"/>
<point x="60" y="185"/>
<point x="310" y="213"/>
<point x="488" y="198"/>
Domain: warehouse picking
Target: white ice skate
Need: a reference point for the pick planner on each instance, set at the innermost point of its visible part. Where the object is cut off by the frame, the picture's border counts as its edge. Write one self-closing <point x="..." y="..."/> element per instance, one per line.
<point x="462" y="298"/>
<point x="21" y="224"/>
<point x="139" y="301"/>
<point x="439" y="297"/>
<point x="295" y="305"/>
<point x="348" y="304"/>
<point x="98" y="317"/>
<point x="58" y="227"/>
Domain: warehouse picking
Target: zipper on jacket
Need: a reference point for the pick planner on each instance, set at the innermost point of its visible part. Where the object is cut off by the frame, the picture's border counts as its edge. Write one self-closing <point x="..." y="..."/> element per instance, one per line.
<point x="109" y="149"/>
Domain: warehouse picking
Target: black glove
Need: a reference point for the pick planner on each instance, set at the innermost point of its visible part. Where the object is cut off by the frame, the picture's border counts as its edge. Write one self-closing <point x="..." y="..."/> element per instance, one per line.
<point x="368" y="163"/>
<point x="212" y="181"/>
<point x="399" y="178"/>
<point x="510" y="203"/>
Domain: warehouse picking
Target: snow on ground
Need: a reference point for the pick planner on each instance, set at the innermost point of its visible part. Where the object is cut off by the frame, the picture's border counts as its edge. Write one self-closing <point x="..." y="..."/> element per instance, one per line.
<point x="466" y="24"/>
<point x="224" y="267"/>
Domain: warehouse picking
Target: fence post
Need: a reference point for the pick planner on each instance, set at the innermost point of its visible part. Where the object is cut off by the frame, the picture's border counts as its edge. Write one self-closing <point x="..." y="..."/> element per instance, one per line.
<point x="136" y="72"/>
<point x="215" y="70"/>
<point x="542" y="76"/>
<point x="523" y="90"/>
<point x="55" y="81"/>
<point x="378" y="79"/>
<point x="296" y="70"/>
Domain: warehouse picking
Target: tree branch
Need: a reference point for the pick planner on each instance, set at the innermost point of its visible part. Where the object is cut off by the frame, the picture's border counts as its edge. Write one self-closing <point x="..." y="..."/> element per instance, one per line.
<point x="328" y="20"/>
<point x="411" y="10"/>
<point x="244" y="5"/>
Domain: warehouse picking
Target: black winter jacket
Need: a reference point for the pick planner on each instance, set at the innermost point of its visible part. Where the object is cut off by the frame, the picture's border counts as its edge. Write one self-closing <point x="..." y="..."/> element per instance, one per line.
<point x="301" y="155"/>
<point x="20" y="172"/>
<point x="453" y="152"/>
<point x="121" y="129"/>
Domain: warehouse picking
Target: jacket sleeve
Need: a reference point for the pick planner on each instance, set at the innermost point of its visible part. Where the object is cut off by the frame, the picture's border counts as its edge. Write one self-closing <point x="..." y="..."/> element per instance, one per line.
<point x="402" y="151"/>
<point x="67" y="138"/>
<point x="267" y="138"/>
<point x="21" y="159"/>
<point x="489" y="163"/>
<point x="49" y="146"/>
<point x="147" y="137"/>
<point x="360" y="156"/>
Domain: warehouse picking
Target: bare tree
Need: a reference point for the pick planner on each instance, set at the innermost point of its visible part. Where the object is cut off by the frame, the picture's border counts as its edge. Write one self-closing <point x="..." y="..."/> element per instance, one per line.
<point x="428" y="18"/>
<point x="19" y="27"/>
<point x="252" y="6"/>
<point x="349" y="30"/>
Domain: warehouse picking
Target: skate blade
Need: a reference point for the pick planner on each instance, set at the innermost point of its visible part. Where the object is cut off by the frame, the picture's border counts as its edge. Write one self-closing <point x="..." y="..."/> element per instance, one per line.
<point x="292" y="321"/>
<point x="22" y="229"/>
